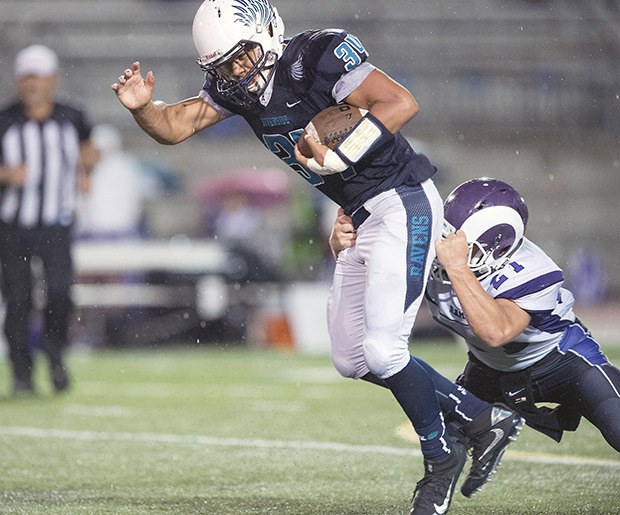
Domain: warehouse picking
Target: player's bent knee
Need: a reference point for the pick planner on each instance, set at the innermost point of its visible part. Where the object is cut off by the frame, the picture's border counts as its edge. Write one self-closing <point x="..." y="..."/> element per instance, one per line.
<point x="347" y="368"/>
<point x="382" y="360"/>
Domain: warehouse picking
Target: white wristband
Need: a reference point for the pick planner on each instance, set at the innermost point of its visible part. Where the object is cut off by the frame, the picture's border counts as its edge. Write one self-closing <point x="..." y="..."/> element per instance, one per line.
<point x="332" y="164"/>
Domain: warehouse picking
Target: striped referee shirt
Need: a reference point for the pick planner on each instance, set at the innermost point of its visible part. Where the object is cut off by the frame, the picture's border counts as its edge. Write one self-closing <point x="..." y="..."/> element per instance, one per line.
<point x="50" y="151"/>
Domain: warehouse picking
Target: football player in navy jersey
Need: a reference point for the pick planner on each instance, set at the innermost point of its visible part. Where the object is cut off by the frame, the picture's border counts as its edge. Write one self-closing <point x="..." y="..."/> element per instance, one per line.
<point x="278" y="85"/>
<point x="505" y="297"/>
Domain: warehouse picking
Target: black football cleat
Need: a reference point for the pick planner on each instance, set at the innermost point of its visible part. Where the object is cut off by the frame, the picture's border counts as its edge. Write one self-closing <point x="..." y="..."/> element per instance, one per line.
<point x="433" y="493"/>
<point x="489" y="435"/>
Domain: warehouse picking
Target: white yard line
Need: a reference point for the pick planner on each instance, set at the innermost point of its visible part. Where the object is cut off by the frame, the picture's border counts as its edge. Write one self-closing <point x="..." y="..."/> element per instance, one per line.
<point x="33" y="432"/>
<point x="405" y="432"/>
<point x="97" y="411"/>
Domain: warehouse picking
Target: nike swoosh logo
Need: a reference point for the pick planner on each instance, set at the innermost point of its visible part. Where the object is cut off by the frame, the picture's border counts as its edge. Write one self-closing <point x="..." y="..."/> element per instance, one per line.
<point x="512" y="394"/>
<point x="443" y="507"/>
<point x="292" y="104"/>
<point x="499" y="434"/>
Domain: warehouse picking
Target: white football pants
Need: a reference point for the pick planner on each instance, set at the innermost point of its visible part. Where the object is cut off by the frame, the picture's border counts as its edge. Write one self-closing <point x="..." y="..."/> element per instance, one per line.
<point x="379" y="283"/>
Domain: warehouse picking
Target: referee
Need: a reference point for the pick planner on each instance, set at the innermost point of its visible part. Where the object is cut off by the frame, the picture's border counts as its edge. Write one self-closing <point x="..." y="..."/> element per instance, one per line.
<point x="45" y="159"/>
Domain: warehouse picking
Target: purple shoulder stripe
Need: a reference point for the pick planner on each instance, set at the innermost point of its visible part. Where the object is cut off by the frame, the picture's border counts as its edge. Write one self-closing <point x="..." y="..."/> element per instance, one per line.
<point x="535" y="285"/>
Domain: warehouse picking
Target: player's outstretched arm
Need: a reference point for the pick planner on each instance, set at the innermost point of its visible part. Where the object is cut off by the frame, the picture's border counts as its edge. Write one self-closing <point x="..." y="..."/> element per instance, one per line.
<point x="494" y="321"/>
<point x="132" y="90"/>
<point x="166" y="123"/>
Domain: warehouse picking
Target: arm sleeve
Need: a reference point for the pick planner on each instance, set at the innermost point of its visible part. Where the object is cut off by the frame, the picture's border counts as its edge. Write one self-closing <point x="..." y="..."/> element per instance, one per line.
<point x="340" y="62"/>
<point x="351" y="81"/>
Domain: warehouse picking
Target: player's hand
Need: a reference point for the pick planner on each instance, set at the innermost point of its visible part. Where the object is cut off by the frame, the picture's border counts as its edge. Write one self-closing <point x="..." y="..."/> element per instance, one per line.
<point x="325" y="160"/>
<point x="452" y="251"/>
<point x="134" y="91"/>
<point x="343" y="233"/>
<point x="318" y="152"/>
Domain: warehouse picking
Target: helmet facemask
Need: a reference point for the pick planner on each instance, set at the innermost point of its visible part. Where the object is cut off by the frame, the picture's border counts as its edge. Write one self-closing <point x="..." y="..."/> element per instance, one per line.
<point x="248" y="90"/>
<point x="438" y="272"/>
<point x="483" y="261"/>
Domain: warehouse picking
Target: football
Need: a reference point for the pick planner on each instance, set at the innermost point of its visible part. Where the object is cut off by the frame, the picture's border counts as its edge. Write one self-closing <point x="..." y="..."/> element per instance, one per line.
<point x="330" y="126"/>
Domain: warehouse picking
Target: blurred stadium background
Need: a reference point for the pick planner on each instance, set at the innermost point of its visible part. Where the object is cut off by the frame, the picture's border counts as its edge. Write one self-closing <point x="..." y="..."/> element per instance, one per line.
<point x="523" y="90"/>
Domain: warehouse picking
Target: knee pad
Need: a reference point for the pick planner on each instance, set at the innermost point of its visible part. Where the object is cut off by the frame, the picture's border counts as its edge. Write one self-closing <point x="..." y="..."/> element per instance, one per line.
<point x="383" y="360"/>
<point x="347" y="367"/>
<point x="376" y="357"/>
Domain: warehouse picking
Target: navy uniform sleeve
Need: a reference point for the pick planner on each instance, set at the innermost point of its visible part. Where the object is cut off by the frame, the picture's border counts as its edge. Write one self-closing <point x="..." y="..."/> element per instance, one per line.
<point x="330" y="54"/>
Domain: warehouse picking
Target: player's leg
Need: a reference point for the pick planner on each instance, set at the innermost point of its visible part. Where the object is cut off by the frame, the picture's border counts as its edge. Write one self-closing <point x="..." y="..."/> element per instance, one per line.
<point x="345" y="317"/>
<point x="582" y="377"/>
<point x="600" y="400"/>
<point x="58" y="269"/>
<point x="395" y="245"/>
<point x="486" y="427"/>
<point x="15" y="257"/>
<point x="351" y="304"/>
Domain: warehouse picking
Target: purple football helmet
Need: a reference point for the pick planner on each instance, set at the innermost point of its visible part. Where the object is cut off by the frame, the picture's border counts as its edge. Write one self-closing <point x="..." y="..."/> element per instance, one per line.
<point x="493" y="216"/>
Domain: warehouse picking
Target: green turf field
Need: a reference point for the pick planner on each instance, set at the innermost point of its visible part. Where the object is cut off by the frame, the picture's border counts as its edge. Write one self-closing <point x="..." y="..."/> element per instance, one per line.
<point x="196" y="430"/>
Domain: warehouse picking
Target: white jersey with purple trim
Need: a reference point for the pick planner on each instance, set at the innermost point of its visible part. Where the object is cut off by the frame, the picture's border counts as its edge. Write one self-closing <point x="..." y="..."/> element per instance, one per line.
<point x="533" y="282"/>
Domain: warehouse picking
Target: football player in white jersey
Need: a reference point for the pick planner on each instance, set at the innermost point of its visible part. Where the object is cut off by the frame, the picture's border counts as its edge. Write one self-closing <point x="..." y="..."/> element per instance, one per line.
<point x="277" y="85"/>
<point x="505" y="297"/>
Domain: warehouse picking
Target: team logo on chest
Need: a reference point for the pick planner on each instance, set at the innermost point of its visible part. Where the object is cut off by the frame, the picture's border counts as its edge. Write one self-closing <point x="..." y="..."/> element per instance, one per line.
<point x="275" y="121"/>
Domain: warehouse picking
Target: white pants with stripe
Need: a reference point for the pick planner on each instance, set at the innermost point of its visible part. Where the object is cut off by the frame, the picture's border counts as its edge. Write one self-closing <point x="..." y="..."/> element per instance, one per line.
<point x="379" y="283"/>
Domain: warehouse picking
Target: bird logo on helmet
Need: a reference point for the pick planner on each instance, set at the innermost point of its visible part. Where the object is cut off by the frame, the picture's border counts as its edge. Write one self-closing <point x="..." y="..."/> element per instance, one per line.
<point x="227" y="30"/>
<point x="493" y="216"/>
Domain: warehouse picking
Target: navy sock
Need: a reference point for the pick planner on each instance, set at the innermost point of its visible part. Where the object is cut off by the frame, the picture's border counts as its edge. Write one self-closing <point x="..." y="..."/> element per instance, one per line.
<point x="455" y="401"/>
<point x="434" y="442"/>
<point x="414" y="390"/>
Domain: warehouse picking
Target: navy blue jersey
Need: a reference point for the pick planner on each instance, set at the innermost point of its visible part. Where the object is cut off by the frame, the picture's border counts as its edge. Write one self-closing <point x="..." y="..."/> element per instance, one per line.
<point x="314" y="65"/>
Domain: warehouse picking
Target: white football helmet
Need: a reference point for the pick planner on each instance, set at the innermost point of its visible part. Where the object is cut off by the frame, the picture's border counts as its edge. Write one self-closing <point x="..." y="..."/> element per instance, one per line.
<point x="224" y="30"/>
<point x="493" y="216"/>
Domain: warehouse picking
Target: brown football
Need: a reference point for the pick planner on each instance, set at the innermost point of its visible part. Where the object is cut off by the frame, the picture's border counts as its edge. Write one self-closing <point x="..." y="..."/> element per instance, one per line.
<point x="330" y="126"/>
